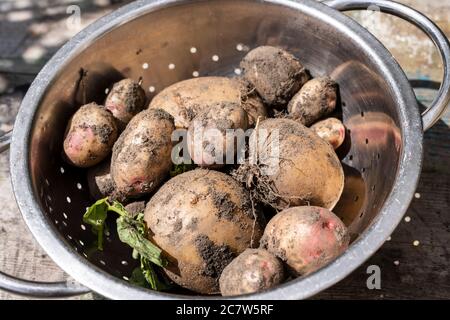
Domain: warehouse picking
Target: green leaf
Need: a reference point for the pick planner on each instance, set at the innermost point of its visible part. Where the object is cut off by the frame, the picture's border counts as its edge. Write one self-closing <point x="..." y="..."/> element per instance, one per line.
<point x="151" y="276"/>
<point x="181" y="168"/>
<point x="130" y="232"/>
<point x="96" y="216"/>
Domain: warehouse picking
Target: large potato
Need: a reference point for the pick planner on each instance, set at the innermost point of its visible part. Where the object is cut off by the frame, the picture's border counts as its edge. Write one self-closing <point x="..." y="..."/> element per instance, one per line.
<point x="141" y="157"/>
<point x="305" y="238"/>
<point x="211" y="135"/>
<point x="186" y="99"/>
<point x="275" y="73"/>
<point x="308" y="172"/>
<point x="91" y="134"/>
<point x="201" y="219"/>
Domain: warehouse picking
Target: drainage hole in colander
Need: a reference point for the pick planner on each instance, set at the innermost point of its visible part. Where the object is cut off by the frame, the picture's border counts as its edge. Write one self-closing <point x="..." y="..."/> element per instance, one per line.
<point x="193" y="50"/>
<point x="241" y="47"/>
<point x="102" y="262"/>
<point x="81" y="242"/>
<point x="195" y="74"/>
<point x="171" y="66"/>
<point x="47" y="182"/>
<point x="145" y="66"/>
<point x="64" y="224"/>
<point x="79" y="186"/>
<point x="123" y="262"/>
<point x="49" y="198"/>
<point x="85" y="255"/>
<point x="83" y="227"/>
<point x="61" y="169"/>
<point x="50" y="209"/>
<point x="152" y="89"/>
<point x="69" y="237"/>
<point x="215" y="58"/>
<point x="237" y="71"/>
<point x="126" y="278"/>
<point x="68" y="200"/>
<point x="64" y="215"/>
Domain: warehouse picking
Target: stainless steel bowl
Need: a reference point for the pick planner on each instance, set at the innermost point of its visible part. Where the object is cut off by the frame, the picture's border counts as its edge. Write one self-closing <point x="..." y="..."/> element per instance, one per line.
<point x="178" y="39"/>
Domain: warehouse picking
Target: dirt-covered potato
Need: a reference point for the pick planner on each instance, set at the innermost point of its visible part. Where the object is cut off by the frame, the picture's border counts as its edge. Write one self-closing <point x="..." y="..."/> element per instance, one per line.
<point x="305" y="238"/>
<point x="211" y="140"/>
<point x="186" y="99"/>
<point x="331" y="130"/>
<point x="100" y="182"/>
<point x="316" y="99"/>
<point x="126" y="99"/>
<point x="136" y="207"/>
<point x="90" y="136"/>
<point x="252" y="271"/>
<point x="275" y="73"/>
<point x="202" y="219"/>
<point x="141" y="157"/>
<point x="252" y="103"/>
<point x="296" y="167"/>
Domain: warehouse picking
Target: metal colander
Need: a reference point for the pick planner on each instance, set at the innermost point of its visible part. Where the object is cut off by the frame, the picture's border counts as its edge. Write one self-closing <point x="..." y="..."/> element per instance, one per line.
<point x="163" y="42"/>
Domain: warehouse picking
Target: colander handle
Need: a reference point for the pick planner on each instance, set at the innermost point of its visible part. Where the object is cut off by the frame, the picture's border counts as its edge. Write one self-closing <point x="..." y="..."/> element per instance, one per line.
<point x="33" y="288"/>
<point x="433" y="113"/>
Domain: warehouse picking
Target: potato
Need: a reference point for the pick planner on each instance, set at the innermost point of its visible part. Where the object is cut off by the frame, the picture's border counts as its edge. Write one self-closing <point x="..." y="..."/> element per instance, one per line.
<point x="305" y="238"/>
<point x="316" y="99"/>
<point x="91" y="134"/>
<point x="252" y="103"/>
<point x="276" y="74"/>
<point x="296" y="167"/>
<point x="126" y="99"/>
<point x="252" y="271"/>
<point x="136" y="207"/>
<point x="141" y="157"/>
<point x="100" y="182"/>
<point x="186" y="99"/>
<point x="331" y="130"/>
<point x="210" y="141"/>
<point x="202" y="219"/>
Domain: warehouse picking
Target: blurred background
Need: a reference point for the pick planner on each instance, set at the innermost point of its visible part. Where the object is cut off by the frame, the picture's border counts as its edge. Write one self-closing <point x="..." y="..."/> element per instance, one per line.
<point x="414" y="263"/>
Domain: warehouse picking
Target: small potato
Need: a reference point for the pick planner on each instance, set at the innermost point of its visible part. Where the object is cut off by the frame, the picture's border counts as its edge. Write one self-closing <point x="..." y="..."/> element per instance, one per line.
<point x="126" y="99"/>
<point x="91" y="134"/>
<point x="276" y="74"/>
<point x="100" y="182"/>
<point x="141" y="157"/>
<point x="305" y="238"/>
<point x="252" y="271"/>
<point x="136" y="207"/>
<point x="316" y="99"/>
<point x="211" y="140"/>
<point x="252" y="103"/>
<point x="331" y="130"/>
<point x="202" y="219"/>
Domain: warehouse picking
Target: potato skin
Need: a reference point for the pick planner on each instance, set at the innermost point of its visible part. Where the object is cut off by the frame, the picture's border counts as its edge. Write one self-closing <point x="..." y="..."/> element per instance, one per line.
<point x="310" y="172"/>
<point x="91" y="133"/>
<point x="100" y="182"/>
<point x="126" y="99"/>
<point x="331" y="130"/>
<point x="275" y="73"/>
<point x="305" y="238"/>
<point x="201" y="219"/>
<point x="252" y="103"/>
<point x="316" y="99"/>
<point x="205" y="146"/>
<point x="141" y="157"/>
<point x="186" y="99"/>
<point x="252" y="271"/>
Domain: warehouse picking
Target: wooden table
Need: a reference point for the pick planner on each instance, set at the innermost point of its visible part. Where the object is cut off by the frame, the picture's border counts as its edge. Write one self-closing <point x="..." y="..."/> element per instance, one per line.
<point x="414" y="263"/>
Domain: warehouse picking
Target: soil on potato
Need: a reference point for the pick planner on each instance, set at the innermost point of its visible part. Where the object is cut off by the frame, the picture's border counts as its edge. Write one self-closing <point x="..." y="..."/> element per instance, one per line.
<point x="216" y="257"/>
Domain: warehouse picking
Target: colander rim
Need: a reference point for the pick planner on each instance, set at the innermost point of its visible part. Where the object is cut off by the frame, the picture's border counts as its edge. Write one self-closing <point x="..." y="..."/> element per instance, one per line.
<point x="109" y="286"/>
